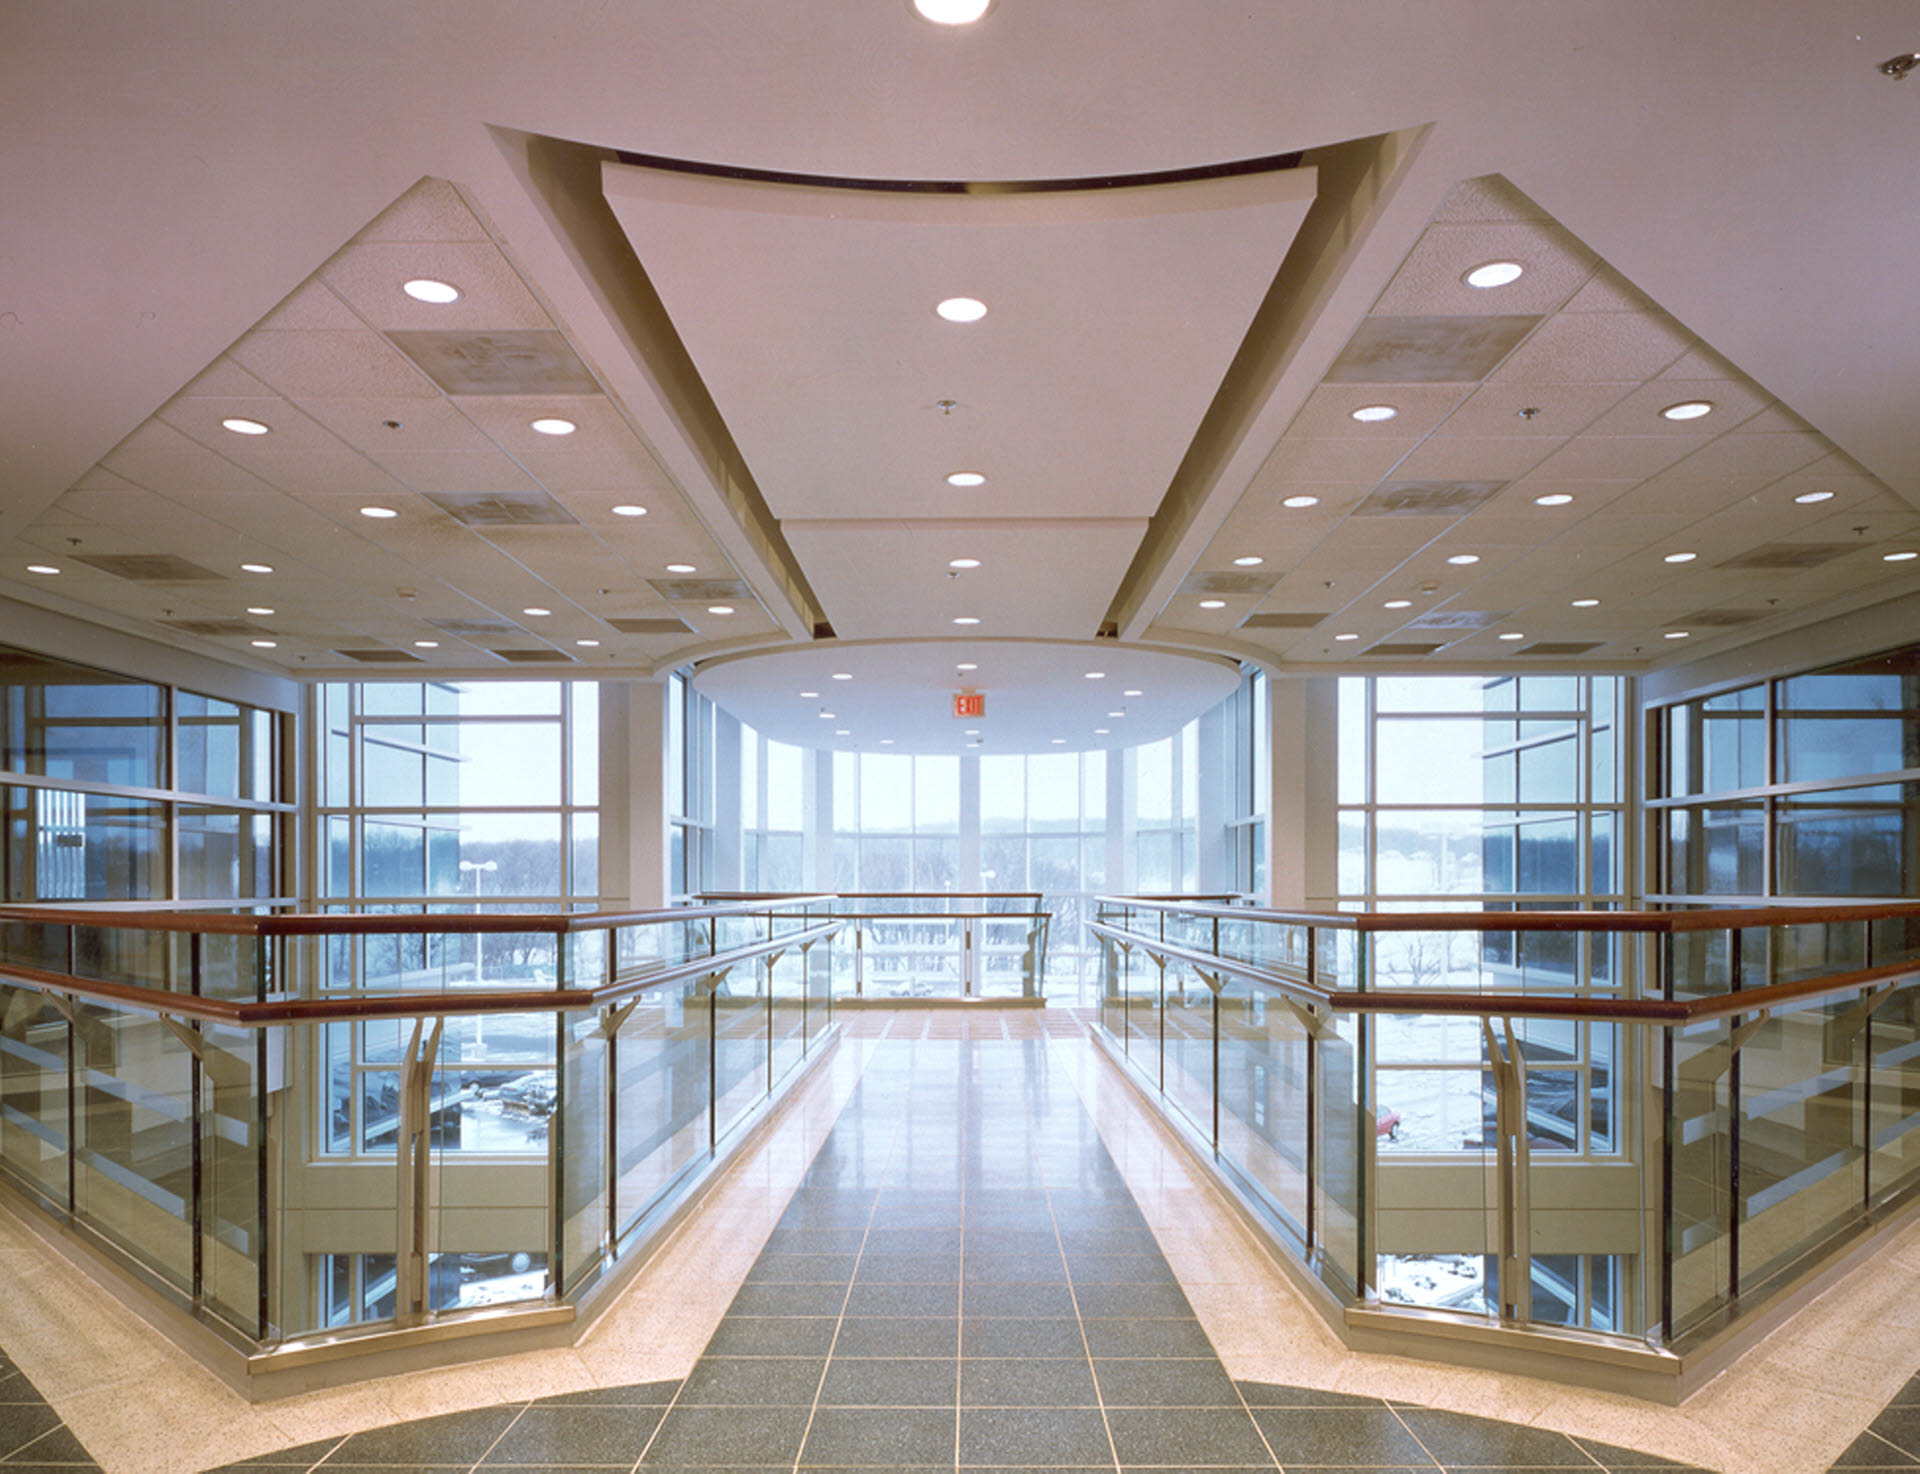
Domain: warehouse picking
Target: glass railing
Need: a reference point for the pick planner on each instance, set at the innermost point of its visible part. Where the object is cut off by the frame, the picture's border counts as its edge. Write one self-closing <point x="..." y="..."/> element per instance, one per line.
<point x="1631" y="1129"/>
<point x="906" y="945"/>
<point x="304" y="1128"/>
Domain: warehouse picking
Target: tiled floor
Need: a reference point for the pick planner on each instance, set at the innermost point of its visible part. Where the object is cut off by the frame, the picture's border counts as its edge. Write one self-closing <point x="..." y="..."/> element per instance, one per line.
<point x="952" y="1272"/>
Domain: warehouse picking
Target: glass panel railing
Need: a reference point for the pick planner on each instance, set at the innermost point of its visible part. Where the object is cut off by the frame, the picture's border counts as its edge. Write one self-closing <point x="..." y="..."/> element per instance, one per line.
<point x="232" y="1151"/>
<point x="1264" y="1045"/>
<point x="662" y="1098"/>
<point x="34" y="1091"/>
<point x="1699" y="1142"/>
<point x="1186" y="1030"/>
<point x="739" y="1005"/>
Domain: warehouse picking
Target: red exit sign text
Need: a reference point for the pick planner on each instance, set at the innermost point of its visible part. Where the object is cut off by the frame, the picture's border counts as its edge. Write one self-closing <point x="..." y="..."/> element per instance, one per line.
<point x="969" y="703"/>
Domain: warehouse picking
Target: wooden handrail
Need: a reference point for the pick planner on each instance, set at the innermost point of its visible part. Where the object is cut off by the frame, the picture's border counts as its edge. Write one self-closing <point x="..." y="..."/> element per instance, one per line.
<point x="1654" y="922"/>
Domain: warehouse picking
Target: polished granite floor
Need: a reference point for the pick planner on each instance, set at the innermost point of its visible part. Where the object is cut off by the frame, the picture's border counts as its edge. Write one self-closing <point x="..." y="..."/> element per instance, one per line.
<point x="962" y="1280"/>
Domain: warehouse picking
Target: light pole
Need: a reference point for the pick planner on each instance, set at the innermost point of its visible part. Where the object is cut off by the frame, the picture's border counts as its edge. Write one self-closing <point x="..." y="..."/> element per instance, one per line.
<point x="479" y="868"/>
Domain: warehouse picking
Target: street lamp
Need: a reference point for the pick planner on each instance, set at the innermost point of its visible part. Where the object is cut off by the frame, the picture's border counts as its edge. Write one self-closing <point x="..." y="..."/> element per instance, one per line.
<point x="479" y="868"/>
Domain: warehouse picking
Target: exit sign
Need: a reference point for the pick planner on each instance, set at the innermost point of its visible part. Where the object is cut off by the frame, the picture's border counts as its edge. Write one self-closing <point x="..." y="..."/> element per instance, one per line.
<point x="969" y="703"/>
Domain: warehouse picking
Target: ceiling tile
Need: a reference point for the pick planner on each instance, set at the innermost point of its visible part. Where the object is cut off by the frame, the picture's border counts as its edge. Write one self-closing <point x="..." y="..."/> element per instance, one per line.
<point x="327" y="364"/>
<point x="1430" y="282"/>
<point x="1596" y="348"/>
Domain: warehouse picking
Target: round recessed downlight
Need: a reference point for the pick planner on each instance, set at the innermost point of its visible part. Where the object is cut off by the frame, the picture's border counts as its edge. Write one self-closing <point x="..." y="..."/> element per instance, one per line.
<point x="45" y="568"/>
<point x="1116" y="713"/>
<point x="587" y="644"/>
<point x="1808" y="498"/>
<point x="966" y="665"/>
<point x="843" y="675"/>
<point x="1463" y="560"/>
<point x="962" y="309"/>
<point x="259" y="609"/>
<point x="553" y="425"/>
<point x="886" y="742"/>
<point x="963" y="562"/>
<point x="628" y="509"/>
<point x="1513" y="635"/>
<point x="951" y="12"/>
<point x="256" y="568"/>
<point x="965" y="619"/>
<point x="242" y="426"/>
<point x="809" y="695"/>
<point x="1903" y="556"/>
<point x="426" y="289"/>
<point x="1494" y="274"/>
<point x="1678" y="634"/>
<point x="1586" y="603"/>
<point x="681" y="568"/>
<point x="1346" y="637"/>
<point x="426" y="644"/>
<point x="1102" y="731"/>
<point x="1059" y="741"/>
<point x="1398" y="604"/>
<point x="379" y="514"/>
<point x="265" y="644"/>
<point x="1373" y="414"/>
<point x="826" y="716"/>
<point x="841" y="732"/>
<point x="1552" y="499"/>
<point x="1680" y="557"/>
<point x="1250" y="561"/>
<point x="1213" y="603"/>
<point x="1096" y="675"/>
<point x="1133" y="693"/>
<point x="966" y="478"/>
<point x="1297" y="502"/>
<point x="719" y="608"/>
<point x="1688" y="409"/>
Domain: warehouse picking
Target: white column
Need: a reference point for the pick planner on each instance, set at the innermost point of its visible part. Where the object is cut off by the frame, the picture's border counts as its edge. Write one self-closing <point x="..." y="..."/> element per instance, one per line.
<point x="634" y="803"/>
<point x="1302" y="829"/>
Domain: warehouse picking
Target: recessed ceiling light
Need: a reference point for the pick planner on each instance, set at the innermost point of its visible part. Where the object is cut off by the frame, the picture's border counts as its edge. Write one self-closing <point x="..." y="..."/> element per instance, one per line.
<point x="826" y="716"/>
<point x="1250" y="561"/>
<point x="843" y="675"/>
<point x="809" y="695"/>
<point x="1297" y="502"/>
<point x="1680" y="557"/>
<point x="1346" y="637"/>
<point x="1058" y="741"/>
<point x="719" y="608"/>
<point x="965" y="619"/>
<point x="1586" y="603"/>
<point x="426" y="644"/>
<point x="1116" y="713"/>
<point x="1494" y="274"/>
<point x="841" y="732"/>
<point x="1096" y="675"/>
<point x="537" y="613"/>
<point x="886" y="742"/>
<point x="962" y="309"/>
<point x="681" y="568"/>
<point x="379" y="514"/>
<point x="1513" y="635"/>
<point x="588" y="644"/>
<point x="966" y="665"/>
<point x="242" y="426"/>
<point x="553" y="425"/>
<point x="963" y="562"/>
<point x="628" y="509"/>
<point x="1213" y="603"/>
<point x="1902" y="556"/>
<point x="951" y="12"/>
<point x="966" y="478"/>
<point x="426" y="289"/>
<point x="1398" y="604"/>
<point x="265" y="644"/>
<point x="1102" y="731"/>
<point x="1552" y="499"/>
<point x="256" y="568"/>
<point x="1133" y="693"/>
<point x="1373" y="414"/>
<point x="1462" y="560"/>
<point x="41" y="568"/>
<point x="1677" y="634"/>
<point x="1687" y="409"/>
<point x="973" y="731"/>
<point x="1808" y="498"/>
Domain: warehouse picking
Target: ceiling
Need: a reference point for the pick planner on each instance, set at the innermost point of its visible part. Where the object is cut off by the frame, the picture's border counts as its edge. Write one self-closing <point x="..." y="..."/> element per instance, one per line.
<point x="712" y="238"/>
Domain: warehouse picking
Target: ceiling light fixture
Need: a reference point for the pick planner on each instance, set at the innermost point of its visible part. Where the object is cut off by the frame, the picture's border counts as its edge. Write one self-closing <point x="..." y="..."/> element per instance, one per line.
<point x="809" y="695"/>
<point x="41" y="568"/>
<point x="962" y="309"/>
<point x="843" y="675"/>
<point x="1903" y="556"/>
<point x="265" y="644"/>
<point x="951" y="12"/>
<point x="537" y="613"/>
<point x="256" y="568"/>
<point x="825" y="715"/>
<point x="259" y="609"/>
<point x="719" y="608"/>
<point x="241" y="426"/>
<point x="553" y="425"/>
<point x="1678" y="634"/>
<point x="1346" y="637"/>
<point x="379" y="514"/>
<point x="1398" y="604"/>
<point x="1464" y="560"/>
<point x="966" y="478"/>
<point x="588" y="644"/>
<point x="426" y="289"/>
<point x="1688" y="409"/>
<point x="1297" y="502"/>
<point x="1373" y="414"/>
<point x="1102" y="731"/>
<point x="1680" y="557"/>
<point x="628" y="509"/>
<point x="842" y="732"/>
<point x="1586" y="603"/>
<point x="1096" y="675"/>
<point x="1058" y="741"/>
<point x="426" y="644"/>
<point x="886" y="742"/>
<point x="681" y="568"/>
<point x="1116" y="713"/>
<point x="963" y="562"/>
<point x="1494" y="274"/>
<point x="1808" y="498"/>
<point x="1213" y="603"/>
<point x="1133" y="693"/>
<point x="1552" y="499"/>
<point x="966" y="665"/>
<point x="965" y="619"/>
<point x="1513" y="635"/>
<point x="1250" y="561"/>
